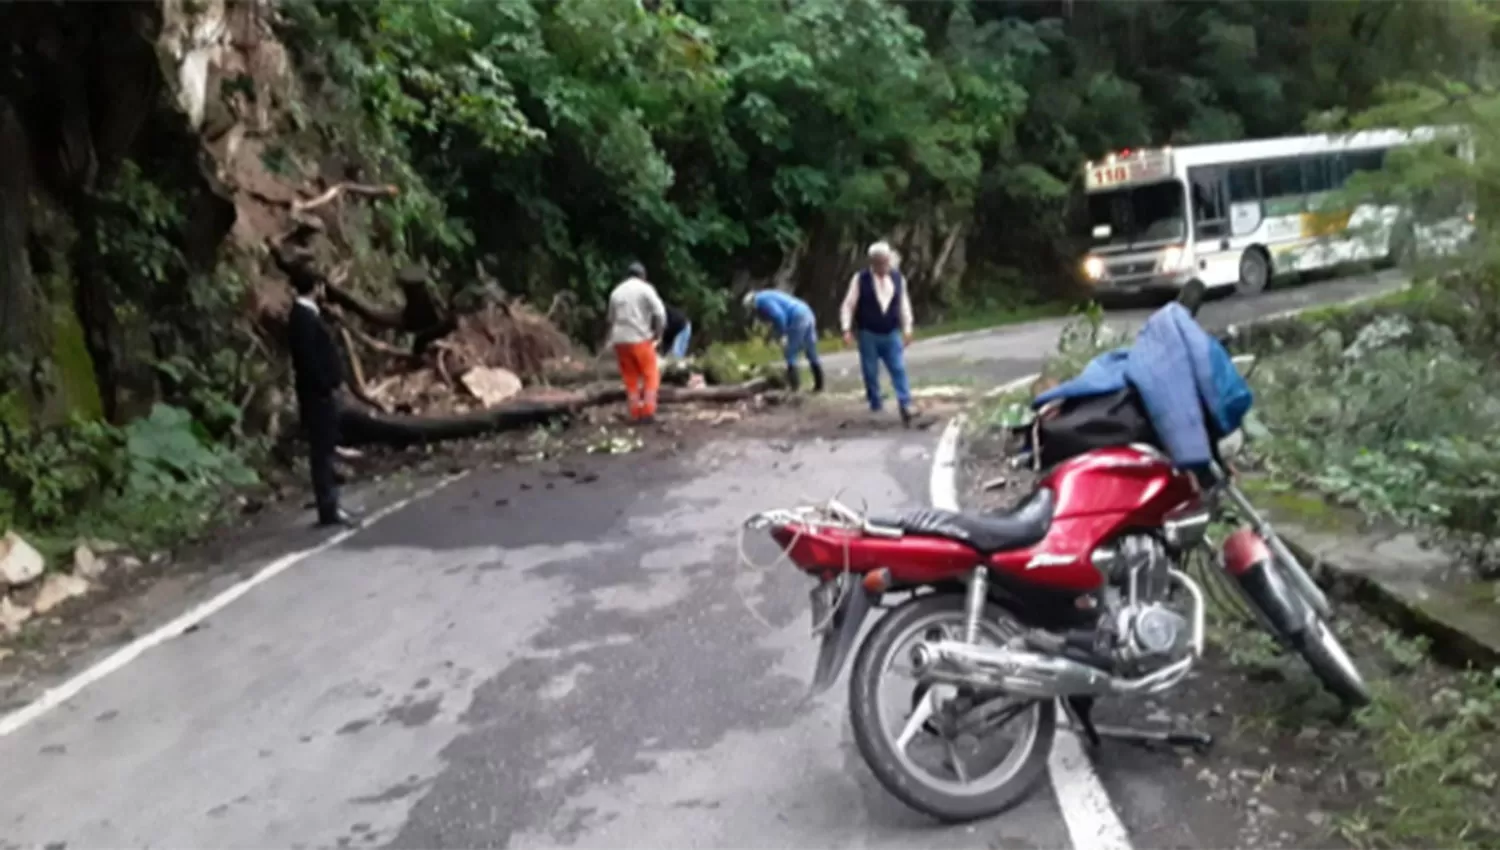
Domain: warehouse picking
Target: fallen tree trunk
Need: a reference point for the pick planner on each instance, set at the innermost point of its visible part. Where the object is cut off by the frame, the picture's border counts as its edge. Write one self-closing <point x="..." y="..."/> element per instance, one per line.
<point x="363" y="427"/>
<point x="672" y="374"/>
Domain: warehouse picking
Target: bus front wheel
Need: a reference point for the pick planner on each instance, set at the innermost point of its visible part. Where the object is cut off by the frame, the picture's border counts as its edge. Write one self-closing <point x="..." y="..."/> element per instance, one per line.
<point x="1255" y="272"/>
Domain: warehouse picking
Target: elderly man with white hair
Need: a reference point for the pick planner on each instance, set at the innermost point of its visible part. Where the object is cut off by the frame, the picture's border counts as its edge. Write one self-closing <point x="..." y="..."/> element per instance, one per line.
<point x="877" y="314"/>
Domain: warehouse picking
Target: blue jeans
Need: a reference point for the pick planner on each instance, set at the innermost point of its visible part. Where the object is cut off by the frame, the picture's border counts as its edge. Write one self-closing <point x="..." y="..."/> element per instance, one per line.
<point x="802" y="338"/>
<point x="875" y="349"/>
<point x="680" y="344"/>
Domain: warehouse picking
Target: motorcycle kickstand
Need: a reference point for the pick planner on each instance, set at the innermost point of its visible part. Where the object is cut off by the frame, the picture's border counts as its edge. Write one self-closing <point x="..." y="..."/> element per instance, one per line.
<point x="1079" y="710"/>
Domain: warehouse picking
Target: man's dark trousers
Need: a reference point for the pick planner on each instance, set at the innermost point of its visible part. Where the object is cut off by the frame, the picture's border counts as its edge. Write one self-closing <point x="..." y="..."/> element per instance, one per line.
<point x="320" y="423"/>
<point x="319" y="372"/>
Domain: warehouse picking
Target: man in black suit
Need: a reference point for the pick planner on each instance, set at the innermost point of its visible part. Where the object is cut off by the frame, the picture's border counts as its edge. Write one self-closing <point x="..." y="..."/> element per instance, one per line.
<point x="319" y="372"/>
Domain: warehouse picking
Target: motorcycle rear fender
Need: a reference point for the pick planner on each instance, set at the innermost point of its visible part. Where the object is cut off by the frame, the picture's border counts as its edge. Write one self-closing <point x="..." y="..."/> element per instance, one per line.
<point x="833" y="650"/>
<point x="912" y="560"/>
<point x="1249" y="561"/>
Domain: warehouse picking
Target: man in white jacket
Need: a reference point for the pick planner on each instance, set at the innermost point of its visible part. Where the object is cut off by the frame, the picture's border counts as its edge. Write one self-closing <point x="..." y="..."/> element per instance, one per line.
<point x="877" y="315"/>
<point x="637" y="318"/>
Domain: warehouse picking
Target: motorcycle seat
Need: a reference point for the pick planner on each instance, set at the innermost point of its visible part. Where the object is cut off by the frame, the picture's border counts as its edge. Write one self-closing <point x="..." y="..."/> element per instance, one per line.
<point x="1021" y="526"/>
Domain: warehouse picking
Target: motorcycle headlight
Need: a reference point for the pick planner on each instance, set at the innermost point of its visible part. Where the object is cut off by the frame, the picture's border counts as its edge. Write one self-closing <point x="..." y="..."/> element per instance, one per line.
<point x="1093" y="268"/>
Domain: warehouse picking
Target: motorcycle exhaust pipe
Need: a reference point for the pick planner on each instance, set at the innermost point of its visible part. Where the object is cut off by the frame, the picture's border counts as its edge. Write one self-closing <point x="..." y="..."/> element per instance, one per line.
<point x="1040" y="675"/>
<point x="1014" y="671"/>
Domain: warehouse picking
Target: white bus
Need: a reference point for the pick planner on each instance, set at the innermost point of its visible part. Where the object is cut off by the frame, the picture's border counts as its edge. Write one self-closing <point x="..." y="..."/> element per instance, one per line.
<point x="1239" y="213"/>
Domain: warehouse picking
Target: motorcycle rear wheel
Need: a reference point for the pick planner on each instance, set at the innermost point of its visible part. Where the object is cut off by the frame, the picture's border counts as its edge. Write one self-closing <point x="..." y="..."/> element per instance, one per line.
<point x="911" y="785"/>
<point x="1321" y="649"/>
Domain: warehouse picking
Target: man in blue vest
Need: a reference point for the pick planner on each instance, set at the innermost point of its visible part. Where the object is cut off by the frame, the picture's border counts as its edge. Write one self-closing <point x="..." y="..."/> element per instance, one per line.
<point x="877" y="315"/>
<point x="794" y="324"/>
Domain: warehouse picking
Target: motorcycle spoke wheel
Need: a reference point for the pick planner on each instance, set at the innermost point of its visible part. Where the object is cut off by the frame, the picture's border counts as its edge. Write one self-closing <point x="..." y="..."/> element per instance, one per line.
<point x="956" y="778"/>
<point x="974" y="764"/>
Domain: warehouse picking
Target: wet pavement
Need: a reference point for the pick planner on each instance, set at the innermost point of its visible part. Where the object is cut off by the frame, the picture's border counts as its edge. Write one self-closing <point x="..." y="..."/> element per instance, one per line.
<point x="519" y="660"/>
<point x="535" y="657"/>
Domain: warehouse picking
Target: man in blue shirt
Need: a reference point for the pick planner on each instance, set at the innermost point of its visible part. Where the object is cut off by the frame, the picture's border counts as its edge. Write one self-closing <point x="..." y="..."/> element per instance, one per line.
<point x="795" y="326"/>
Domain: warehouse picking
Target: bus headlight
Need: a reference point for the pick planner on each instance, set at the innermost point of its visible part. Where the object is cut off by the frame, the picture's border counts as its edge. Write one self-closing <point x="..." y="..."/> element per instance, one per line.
<point x="1172" y="259"/>
<point x="1093" y="268"/>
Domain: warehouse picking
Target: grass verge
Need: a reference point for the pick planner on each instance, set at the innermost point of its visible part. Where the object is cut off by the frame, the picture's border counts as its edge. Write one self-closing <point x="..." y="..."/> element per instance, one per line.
<point x="1417" y="768"/>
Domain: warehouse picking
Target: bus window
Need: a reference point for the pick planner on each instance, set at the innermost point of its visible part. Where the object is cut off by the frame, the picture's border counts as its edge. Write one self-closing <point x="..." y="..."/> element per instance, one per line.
<point x="1207" y="191"/>
<point x="1338" y="171"/>
<point x="1371" y="160"/>
<point x="1281" y="188"/>
<point x="1137" y="216"/>
<point x="1244" y="199"/>
<point x="1316" y="174"/>
<point x="1244" y="184"/>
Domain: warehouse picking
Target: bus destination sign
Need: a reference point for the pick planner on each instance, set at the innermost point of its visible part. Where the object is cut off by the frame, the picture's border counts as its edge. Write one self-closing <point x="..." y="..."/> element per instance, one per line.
<point x="1138" y="168"/>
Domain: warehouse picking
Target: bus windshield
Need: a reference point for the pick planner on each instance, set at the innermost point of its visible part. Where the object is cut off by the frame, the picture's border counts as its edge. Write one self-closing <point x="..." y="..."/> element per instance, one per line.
<point x="1138" y="215"/>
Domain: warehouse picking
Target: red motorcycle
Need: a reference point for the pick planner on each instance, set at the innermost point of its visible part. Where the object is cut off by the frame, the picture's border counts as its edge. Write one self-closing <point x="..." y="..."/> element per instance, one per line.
<point x="1081" y="591"/>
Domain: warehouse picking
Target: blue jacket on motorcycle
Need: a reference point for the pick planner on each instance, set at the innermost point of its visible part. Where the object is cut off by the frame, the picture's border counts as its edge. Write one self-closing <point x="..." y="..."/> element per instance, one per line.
<point x="1180" y="373"/>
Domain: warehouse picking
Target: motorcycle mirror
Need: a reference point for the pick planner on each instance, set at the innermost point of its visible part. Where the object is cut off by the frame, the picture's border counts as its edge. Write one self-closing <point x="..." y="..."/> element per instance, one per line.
<point x="1191" y="296"/>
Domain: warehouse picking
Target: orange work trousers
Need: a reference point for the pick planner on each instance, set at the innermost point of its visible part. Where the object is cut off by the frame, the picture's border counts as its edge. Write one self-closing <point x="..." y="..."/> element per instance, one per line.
<point x="642" y="379"/>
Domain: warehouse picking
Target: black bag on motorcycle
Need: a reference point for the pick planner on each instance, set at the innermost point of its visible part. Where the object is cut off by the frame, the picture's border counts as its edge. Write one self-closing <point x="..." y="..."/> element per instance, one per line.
<point x="1092" y="422"/>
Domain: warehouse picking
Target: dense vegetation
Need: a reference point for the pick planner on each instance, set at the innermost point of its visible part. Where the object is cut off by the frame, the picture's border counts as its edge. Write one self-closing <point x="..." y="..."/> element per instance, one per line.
<point x="722" y="143"/>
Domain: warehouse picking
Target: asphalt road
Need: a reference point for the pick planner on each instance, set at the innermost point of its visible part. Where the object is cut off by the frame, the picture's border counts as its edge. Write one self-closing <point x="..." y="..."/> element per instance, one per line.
<point x="527" y="659"/>
<point x="989" y="357"/>
<point x="504" y="664"/>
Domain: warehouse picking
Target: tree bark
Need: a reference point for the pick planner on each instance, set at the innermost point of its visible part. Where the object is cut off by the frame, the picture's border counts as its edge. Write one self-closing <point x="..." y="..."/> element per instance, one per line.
<point x="17" y="289"/>
<point x="674" y="374"/>
<point x="363" y="427"/>
<point x="941" y="265"/>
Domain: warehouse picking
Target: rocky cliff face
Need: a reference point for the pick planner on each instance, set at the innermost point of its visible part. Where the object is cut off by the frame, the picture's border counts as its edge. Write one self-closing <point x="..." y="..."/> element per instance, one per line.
<point x="151" y="157"/>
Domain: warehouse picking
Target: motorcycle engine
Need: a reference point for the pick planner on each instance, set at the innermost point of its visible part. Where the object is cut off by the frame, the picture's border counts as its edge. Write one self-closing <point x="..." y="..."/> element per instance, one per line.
<point x="1143" y="629"/>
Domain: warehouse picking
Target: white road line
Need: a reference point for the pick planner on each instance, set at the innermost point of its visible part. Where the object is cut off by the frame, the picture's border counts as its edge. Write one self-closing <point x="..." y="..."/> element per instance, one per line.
<point x="1087" y="812"/>
<point x="1089" y="815"/>
<point x="54" y="697"/>
<point x="942" y="484"/>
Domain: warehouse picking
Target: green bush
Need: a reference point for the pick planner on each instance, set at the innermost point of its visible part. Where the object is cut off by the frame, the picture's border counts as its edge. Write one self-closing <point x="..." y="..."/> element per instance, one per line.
<point x="1398" y="422"/>
<point x="158" y="478"/>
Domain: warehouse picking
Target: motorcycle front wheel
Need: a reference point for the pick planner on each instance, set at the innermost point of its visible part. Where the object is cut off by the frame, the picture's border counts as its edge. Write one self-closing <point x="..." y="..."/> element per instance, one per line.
<point x="1320" y="648"/>
<point x="975" y="774"/>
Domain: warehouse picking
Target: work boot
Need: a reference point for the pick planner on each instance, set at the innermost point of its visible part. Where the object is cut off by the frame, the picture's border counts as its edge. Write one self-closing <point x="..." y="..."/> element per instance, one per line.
<point x="817" y="370"/>
<point x="906" y="417"/>
<point x="793" y="379"/>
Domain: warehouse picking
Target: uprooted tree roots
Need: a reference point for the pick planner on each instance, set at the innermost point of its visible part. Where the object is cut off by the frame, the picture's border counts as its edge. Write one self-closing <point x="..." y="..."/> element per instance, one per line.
<point x="432" y="370"/>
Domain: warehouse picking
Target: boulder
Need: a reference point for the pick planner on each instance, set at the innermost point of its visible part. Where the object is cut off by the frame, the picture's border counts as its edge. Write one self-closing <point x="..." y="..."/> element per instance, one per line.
<point x="88" y="564"/>
<point x="491" y="385"/>
<point x="12" y="616"/>
<point x="19" y="562"/>
<point x="58" y="588"/>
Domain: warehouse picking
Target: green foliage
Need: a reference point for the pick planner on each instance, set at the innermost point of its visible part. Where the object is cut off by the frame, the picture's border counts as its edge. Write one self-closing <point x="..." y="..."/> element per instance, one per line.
<point x="1398" y="422"/>
<point x="1401" y="421"/>
<point x="136" y="232"/>
<point x="555" y="140"/>
<point x="155" y="479"/>
<point x="1085" y="337"/>
<point x="1421" y="758"/>
<point x="1436" y="748"/>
